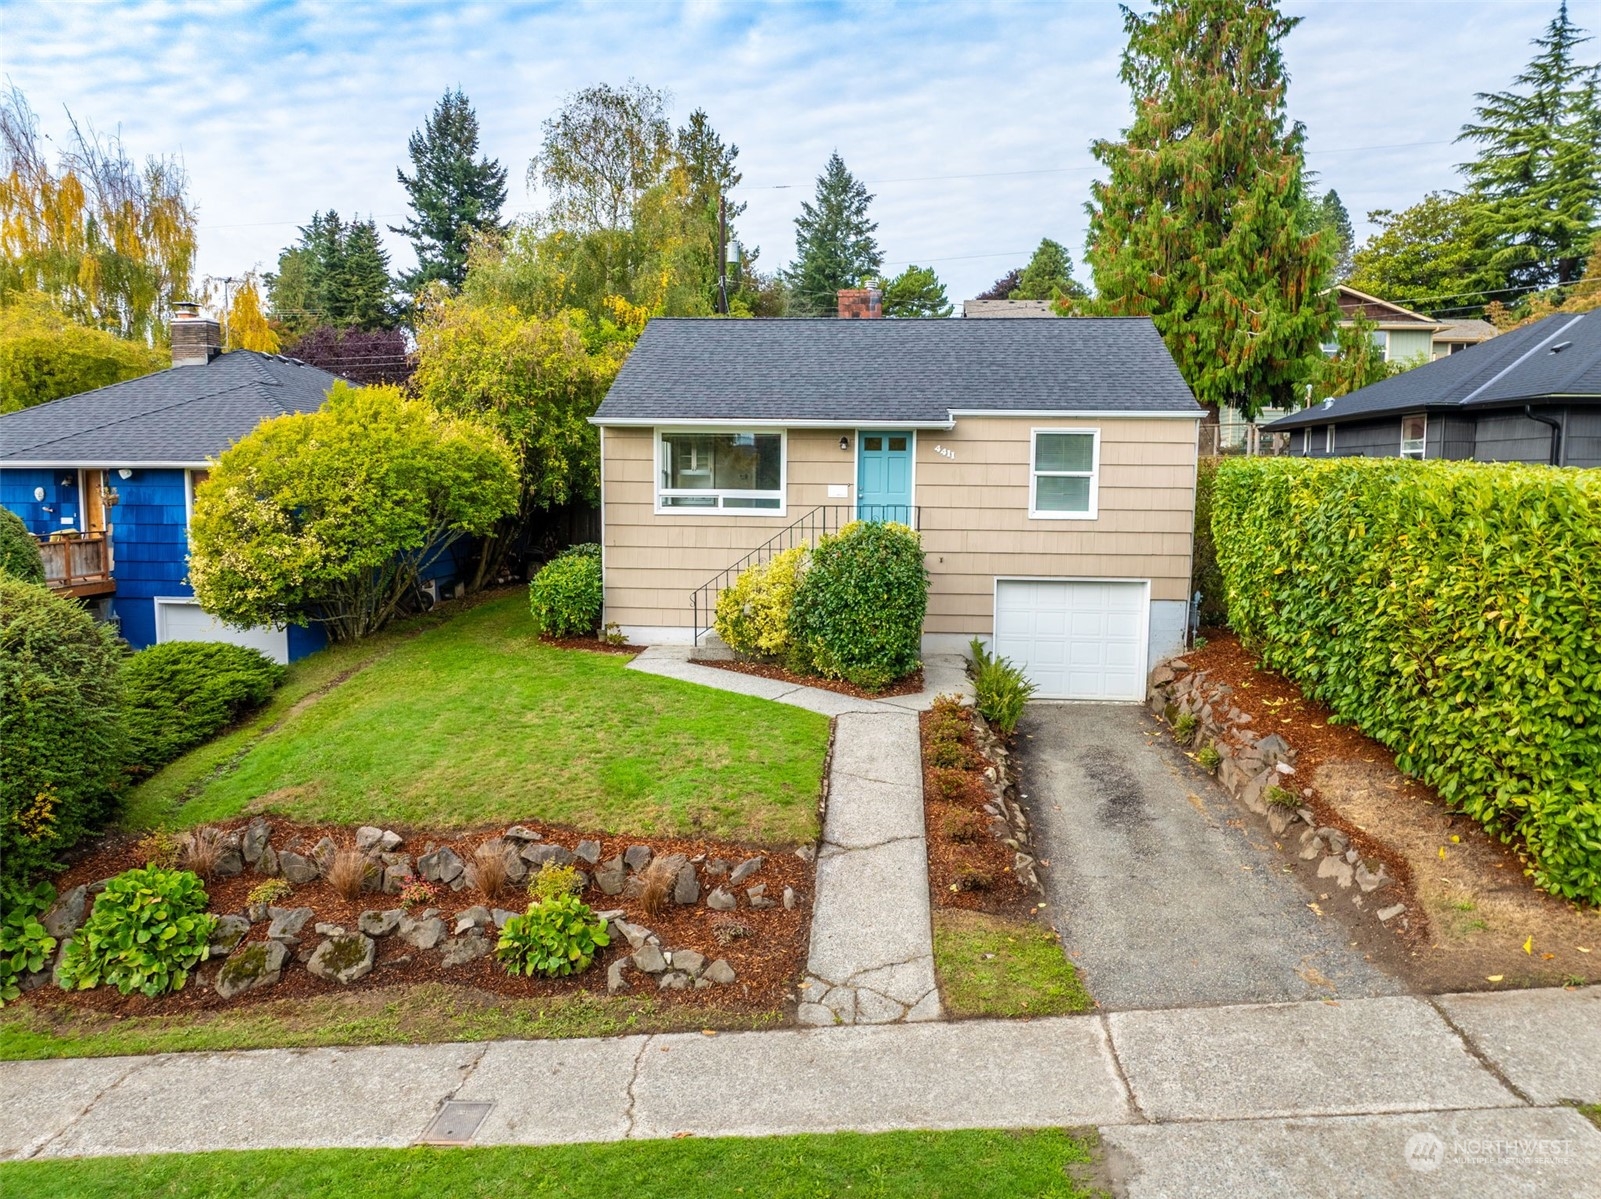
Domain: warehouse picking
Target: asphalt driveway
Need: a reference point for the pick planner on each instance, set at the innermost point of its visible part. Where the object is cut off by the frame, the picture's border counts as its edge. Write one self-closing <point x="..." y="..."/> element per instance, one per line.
<point x="1165" y="893"/>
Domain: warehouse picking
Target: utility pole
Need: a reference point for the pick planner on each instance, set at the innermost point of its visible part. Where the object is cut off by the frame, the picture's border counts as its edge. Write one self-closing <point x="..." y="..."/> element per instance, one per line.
<point x="722" y="254"/>
<point x="227" y="282"/>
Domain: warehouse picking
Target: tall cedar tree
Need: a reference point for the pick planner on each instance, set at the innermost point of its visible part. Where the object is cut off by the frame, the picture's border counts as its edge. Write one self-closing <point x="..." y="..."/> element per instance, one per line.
<point x="1539" y="172"/>
<point x="834" y="243"/>
<point x="337" y="274"/>
<point x="1204" y="223"/>
<point x="1048" y="275"/>
<point x="454" y="198"/>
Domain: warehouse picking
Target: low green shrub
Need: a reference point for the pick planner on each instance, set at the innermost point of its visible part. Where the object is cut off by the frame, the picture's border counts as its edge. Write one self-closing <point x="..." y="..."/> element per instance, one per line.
<point x="179" y="694"/>
<point x="859" y="608"/>
<point x="61" y="729"/>
<point x="1184" y="726"/>
<point x="1208" y="757"/>
<point x="269" y="892"/>
<point x="20" y="556"/>
<point x="25" y="947"/>
<point x="146" y="931"/>
<point x="1281" y="797"/>
<point x="553" y="881"/>
<point x="1452" y="611"/>
<point x="1000" y="689"/>
<point x="753" y="615"/>
<point x="554" y="937"/>
<point x="566" y="595"/>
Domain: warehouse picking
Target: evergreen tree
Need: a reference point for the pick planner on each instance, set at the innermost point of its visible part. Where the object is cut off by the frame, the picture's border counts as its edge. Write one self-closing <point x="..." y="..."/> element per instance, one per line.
<point x="834" y="243"/>
<point x="916" y="292"/>
<point x="453" y="197"/>
<point x="1204" y="222"/>
<point x="1335" y="223"/>
<point x="1539" y="171"/>
<point x="1048" y="275"/>
<point x="336" y="275"/>
<point x="712" y="174"/>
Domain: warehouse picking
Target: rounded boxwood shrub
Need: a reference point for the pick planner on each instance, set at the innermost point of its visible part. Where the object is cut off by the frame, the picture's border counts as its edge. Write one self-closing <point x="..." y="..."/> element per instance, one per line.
<point x="20" y="556"/>
<point x="556" y="936"/>
<point x="753" y="615"/>
<point x="859" y="608"/>
<point x="565" y="596"/>
<point x="181" y="693"/>
<point x="146" y="931"/>
<point x="61" y="727"/>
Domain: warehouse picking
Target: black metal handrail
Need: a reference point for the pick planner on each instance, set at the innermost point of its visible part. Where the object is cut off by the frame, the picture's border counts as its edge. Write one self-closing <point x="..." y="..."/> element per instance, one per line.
<point x="819" y="522"/>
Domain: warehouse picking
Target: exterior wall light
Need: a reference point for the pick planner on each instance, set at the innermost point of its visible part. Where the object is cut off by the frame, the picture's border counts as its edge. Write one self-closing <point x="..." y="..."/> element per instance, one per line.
<point x="844" y="443"/>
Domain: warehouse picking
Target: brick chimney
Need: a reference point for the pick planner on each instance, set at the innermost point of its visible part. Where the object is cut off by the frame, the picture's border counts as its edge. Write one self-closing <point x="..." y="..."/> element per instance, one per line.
<point x="196" y="339"/>
<point x="861" y="304"/>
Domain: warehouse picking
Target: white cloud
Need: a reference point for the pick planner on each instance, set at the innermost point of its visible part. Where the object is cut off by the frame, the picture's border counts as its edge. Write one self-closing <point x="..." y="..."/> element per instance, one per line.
<point x="280" y="109"/>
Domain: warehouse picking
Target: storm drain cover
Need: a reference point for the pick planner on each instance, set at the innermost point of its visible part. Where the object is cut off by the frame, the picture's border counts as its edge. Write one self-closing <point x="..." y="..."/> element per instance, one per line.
<point x="455" y="1124"/>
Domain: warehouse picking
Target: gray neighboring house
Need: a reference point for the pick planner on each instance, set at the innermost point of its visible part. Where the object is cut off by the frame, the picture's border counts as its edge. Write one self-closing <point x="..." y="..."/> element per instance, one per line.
<point x="989" y="309"/>
<point x="1529" y="395"/>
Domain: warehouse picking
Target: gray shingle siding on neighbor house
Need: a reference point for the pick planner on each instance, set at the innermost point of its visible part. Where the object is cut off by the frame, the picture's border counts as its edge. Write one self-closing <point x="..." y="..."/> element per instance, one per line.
<point x="905" y="372"/>
<point x="1475" y="400"/>
<point x="184" y="416"/>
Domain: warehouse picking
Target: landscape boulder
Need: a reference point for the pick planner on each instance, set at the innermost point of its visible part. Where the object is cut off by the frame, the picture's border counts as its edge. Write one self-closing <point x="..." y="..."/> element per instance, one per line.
<point x="298" y="869"/>
<point x="227" y="933"/>
<point x="254" y="841"/>
<point x="66" y="914"/>
<point x="258" y="965"/>
<point x="343" y="958"/>
<point x="440" y="866"/>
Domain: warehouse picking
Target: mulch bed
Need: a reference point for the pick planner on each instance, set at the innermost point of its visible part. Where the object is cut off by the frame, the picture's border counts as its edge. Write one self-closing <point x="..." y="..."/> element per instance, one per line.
<point x="909" y="685"/>
<point x="968" y="867"/>
<point x="593" y="644"/>
<point x="767" y="962"/>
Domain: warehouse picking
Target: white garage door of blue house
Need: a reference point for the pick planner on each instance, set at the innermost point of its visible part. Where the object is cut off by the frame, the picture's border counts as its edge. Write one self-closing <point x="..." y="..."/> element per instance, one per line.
<point x="884" y="476"/>
<point x="1075" y="639"/>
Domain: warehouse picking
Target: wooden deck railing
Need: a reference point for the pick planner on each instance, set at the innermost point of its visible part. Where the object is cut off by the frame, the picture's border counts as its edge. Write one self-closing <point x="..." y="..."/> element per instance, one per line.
<point x="78" y="565"/>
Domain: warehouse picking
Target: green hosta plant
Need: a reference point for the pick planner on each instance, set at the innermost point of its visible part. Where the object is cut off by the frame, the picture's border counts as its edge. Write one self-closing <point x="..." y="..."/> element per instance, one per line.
<point x="24" y="945"/>
<point x="554" y="937"/>
<point x="146" y="931"/>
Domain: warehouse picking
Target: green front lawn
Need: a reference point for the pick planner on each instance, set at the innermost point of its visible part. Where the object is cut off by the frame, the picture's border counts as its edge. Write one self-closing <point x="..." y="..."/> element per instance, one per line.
<point x="990" y="966"/>
<point x="893" y="1165"/>
<point x="467" y="719"/>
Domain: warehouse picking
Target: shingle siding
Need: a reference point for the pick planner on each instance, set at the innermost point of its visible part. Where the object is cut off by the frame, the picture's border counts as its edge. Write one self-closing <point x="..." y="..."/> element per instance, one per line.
<point x="1512" y="437"/>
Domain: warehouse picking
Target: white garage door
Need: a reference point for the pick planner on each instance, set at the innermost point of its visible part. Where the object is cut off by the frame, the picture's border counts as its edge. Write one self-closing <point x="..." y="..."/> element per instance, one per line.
<point x="179" y="620"/>
<point x="1074" y="640"/>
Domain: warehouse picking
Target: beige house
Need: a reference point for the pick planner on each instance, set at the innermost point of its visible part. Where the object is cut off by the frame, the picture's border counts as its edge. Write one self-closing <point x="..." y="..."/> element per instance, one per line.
<point x="1048" y="465"/>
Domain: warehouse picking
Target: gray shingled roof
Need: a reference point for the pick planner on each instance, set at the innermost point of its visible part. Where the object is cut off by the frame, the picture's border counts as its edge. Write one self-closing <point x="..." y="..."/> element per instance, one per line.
<point x="1558" y="357"/>
<point x="187" y="415"/>
<point x="914" y="372"/>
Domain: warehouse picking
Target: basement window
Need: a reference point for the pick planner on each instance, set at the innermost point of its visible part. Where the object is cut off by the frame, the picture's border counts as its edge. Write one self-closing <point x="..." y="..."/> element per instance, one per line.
<point x="701" y="471"/>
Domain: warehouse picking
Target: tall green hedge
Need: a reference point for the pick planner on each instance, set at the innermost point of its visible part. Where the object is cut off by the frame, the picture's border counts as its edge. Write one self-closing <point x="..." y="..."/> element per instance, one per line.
<point x="61" y="732"/>
<point x="1452" y="610"/>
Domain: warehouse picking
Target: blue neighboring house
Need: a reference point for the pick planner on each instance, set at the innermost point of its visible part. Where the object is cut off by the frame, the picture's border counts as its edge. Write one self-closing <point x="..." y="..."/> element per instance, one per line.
<point x="107" y="477"/>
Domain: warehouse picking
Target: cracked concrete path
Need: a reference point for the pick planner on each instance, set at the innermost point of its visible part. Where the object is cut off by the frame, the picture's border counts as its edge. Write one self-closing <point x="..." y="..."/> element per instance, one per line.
<point x="1163" y="896"/>
<point x="1459" y="1096"/>
<point x="872" y="951"/>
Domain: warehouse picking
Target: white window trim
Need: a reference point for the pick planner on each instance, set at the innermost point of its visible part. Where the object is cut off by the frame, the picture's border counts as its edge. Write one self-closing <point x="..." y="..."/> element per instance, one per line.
<point x="1095" y="475"/>
<point x="656" y="477"/>
<point x="1421" y="443"/>
<point x="1382" y="346"/>
<point x="1328" y="439"/>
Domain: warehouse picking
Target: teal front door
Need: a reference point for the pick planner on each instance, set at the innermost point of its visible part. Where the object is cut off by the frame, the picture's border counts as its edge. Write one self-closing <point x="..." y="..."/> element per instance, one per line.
<point x="884" y="476"/>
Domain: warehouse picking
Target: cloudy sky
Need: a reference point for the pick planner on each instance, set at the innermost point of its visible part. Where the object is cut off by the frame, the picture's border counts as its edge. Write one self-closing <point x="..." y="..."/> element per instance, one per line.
<point x="971" y="122"/>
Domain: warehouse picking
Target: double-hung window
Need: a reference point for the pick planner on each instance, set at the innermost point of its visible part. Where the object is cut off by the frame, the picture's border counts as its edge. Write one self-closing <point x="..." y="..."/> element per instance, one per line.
<point x="720" y="472"/>
<point x="1414" y="435"/>
<point x="1063" y="474"/>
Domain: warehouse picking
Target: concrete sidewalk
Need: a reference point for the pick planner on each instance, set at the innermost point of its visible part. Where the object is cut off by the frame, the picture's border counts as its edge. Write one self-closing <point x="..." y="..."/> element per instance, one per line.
<point x="1388" y="1096"/>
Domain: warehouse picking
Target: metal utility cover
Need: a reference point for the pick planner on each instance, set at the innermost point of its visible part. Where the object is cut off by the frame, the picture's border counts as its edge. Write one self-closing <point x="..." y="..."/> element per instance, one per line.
<point x="455" y="1124"/>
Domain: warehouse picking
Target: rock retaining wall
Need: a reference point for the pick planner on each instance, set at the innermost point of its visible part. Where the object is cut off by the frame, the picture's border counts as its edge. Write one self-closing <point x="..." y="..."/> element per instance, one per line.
<point x="1250" y="764"/>
<point x="1008" y="822"/>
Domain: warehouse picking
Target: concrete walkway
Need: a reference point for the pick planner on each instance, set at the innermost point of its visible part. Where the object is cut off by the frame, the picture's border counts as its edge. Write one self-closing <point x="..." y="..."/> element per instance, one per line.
<point x="1390" y="1096"/>
<point x="1163" y="896"/>
<point x="871" y="958"/>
